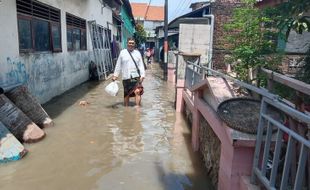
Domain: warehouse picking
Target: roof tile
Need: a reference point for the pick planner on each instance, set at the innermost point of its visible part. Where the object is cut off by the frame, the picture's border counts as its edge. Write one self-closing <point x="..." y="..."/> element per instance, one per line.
<point x="154" y="13"/>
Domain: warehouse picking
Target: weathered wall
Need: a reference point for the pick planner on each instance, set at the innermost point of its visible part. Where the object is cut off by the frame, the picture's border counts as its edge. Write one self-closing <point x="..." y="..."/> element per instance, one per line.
<point x="222" y="11"/>
<point x="47" y="74"/>
<point x="195" y="38"/>
<point x="210" y="148"/>
<point x="150" y="26"/>
<point x="296" y="47"/>
<point x="298" y="43"/>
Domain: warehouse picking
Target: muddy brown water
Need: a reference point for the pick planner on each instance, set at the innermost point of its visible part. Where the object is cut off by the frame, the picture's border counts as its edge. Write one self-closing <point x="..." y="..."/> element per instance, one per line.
<point x="109" y="147"/>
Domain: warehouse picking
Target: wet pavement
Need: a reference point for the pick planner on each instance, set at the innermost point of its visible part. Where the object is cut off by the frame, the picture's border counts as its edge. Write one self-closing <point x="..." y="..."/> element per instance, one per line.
<point x="104" y="145"/>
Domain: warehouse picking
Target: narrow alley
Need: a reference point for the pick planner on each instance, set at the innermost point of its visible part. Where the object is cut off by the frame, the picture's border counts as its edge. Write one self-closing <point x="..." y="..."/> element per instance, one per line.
<point x="104" y="145"/>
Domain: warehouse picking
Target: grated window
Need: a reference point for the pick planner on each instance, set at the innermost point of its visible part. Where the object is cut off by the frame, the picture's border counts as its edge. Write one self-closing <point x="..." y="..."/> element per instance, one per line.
<point x="38" y="10"/>
<point x="75" y="21"/>
<point x="39" y="27"/>
<point x="76" y="33"/>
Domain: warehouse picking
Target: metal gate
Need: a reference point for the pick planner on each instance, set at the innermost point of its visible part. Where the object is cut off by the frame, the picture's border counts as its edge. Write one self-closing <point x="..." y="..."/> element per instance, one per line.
<point x="101" y="49"/>
<point x="274" y="164"/>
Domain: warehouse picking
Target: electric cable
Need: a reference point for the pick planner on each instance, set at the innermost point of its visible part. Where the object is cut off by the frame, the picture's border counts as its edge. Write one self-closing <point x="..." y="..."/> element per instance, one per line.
<point x="183" y="7"/>
<point x="176" y="9"/>
<point x="147" y="9"/>
<point x="175" y="13"/>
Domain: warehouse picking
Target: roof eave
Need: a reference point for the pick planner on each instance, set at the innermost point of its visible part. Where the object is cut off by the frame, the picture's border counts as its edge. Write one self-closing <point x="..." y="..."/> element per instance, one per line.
<point x="188" y="14"/>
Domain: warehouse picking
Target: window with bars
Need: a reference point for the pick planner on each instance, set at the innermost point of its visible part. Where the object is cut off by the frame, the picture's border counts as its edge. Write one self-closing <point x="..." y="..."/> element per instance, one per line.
<point x="76" y="33"/>
<point x="39" y="27"/>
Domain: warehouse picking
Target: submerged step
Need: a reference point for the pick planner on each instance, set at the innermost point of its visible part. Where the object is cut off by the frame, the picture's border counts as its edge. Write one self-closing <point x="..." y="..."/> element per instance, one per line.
<point x="23" y="99"/>
<point x="18" y="123"/>
<point x="10" y="148"/>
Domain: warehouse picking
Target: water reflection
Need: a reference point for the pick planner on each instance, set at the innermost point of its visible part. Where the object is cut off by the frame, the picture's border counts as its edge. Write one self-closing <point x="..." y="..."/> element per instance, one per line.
<point x="105" y="145"/>
<point x="127" y="139"/>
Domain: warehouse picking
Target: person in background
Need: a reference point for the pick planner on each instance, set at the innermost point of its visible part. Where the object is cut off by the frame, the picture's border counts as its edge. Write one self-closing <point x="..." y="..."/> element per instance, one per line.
<point x="141" y="50"/>
<point x="130" y="65"/>
<point x="148" y="54"/>
<point x="152" y="52"/>
<point x="162" y="54"/>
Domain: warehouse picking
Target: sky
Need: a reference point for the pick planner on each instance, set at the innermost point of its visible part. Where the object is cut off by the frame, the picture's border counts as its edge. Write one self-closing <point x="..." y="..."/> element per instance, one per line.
<point x="175" y="7"/>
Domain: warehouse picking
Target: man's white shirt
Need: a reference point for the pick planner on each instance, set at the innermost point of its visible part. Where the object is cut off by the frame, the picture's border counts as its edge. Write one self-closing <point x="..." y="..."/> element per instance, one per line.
<point x="126" y="66"/>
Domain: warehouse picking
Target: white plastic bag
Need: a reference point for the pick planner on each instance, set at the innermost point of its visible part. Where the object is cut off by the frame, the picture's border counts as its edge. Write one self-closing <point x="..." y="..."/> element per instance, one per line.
<point x="112" y="88"/>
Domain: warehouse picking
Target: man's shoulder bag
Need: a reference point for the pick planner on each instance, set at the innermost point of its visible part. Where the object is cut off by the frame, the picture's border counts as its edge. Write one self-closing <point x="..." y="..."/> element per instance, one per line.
<point x="139" y="84"/>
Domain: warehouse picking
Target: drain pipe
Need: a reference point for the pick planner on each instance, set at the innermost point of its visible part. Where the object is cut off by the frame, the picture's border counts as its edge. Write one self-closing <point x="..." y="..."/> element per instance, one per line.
<point x="211" y="16"/>
<point x="8" y="88"/>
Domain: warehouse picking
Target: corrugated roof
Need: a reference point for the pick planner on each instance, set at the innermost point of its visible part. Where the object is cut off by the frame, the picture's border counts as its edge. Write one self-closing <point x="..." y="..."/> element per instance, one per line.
<point x="154" y="13"/>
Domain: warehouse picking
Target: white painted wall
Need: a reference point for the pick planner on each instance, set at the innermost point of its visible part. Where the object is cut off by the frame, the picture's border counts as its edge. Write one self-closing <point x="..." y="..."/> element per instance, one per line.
<point x="195" y="38"/>
<point x="47" y="74"/>
<point x="150" y="26"/>
<point x="8" y="34"/>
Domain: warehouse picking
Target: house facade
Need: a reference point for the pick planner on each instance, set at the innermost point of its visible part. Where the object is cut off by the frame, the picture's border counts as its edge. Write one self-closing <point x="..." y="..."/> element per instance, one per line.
<point x="196" y="34"/>
<point x="296" y="45"/>
<point x="47" y="45"/>
<point x="150" y="17"/>
<point x="128" y="27"/>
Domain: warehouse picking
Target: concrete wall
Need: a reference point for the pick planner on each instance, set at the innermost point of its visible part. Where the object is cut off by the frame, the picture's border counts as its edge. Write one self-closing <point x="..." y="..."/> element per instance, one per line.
<point x="47" y="74"/>
<point x="228" y="156"/>
<point x="150" y="26"/>
<point x="195" y="38"/>
<point x="298" y="43"/>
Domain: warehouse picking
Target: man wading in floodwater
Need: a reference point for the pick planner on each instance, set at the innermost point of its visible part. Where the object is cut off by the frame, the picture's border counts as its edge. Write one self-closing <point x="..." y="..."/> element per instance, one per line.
<point x="130" y="65"/>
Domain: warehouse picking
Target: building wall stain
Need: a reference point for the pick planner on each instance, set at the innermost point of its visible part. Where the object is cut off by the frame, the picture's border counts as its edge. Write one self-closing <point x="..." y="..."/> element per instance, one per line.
<point x="46" y="74"/>
<point x="17" y="73"/>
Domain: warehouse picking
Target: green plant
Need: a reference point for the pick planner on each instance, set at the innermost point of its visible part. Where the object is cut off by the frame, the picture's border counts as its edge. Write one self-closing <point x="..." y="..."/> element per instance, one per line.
<point x="252" y="41"/>
<point x="291" y="16"/>
<point x="140" y="35"/>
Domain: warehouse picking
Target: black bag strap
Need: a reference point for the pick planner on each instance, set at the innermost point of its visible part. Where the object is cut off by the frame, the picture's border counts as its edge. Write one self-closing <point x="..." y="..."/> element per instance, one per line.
<point x="134" y="62"/>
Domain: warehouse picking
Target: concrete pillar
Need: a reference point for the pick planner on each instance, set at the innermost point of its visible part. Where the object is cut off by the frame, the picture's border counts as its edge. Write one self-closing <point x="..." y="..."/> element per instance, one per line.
<point x="196" y="121"/>
<point x="235" y="162"/>
<point x="179" y="96"/>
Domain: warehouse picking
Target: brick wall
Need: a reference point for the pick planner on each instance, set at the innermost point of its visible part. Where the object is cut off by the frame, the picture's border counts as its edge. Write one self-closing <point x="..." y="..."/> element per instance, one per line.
<point x="291" y="63"/>
<point x="222" y="11"/>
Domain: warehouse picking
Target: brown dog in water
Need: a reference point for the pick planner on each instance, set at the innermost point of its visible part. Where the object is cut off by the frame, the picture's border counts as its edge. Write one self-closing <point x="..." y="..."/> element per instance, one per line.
<point x="83" y="103"/>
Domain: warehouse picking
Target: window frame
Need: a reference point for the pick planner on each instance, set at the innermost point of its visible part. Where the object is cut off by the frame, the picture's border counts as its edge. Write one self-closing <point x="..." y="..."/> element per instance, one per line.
<point x="52" y="36"/>
<point x="71" y="31"/>
<point x="33" y="34"/>
<point x="29" y="16"/>
<point x="71" y="27"/>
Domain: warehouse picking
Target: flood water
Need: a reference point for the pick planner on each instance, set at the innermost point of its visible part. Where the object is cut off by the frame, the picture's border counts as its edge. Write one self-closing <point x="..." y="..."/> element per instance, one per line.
<point x="109" y="147"/>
